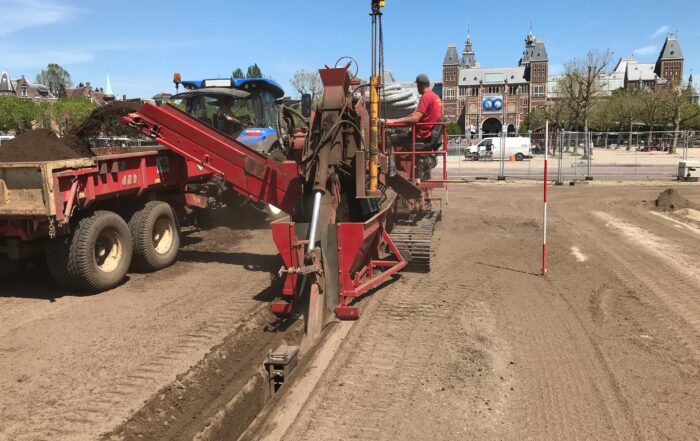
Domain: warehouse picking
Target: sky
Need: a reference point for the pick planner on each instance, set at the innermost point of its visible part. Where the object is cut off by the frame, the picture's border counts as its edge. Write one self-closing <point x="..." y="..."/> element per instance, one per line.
<point x="141" y="43"/>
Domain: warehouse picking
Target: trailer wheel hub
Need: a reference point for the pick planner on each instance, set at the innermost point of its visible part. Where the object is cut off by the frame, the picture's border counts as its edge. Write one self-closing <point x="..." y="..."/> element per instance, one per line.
<point x="162" y="236"/>
<point x="108" y="251"/>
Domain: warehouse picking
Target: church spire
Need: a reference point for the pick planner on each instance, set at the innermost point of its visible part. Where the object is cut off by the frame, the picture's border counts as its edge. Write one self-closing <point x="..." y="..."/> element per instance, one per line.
<point x="468" y="56"/>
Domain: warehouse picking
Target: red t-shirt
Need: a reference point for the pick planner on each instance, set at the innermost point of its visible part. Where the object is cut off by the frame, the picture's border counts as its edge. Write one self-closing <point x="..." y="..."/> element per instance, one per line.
<point x="430" y="106"/>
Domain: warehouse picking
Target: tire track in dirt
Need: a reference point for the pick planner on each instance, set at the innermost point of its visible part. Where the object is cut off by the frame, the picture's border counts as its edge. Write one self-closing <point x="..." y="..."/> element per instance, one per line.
<point x="425" y="343"/>
<point x="88" y="384"/>
<point x="566" y="387"/>
<point x="676" y="286"/>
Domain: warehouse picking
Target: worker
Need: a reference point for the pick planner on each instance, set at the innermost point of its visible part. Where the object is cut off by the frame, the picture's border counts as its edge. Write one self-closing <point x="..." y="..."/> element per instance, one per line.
<point x="226" y="120"/>
<point x="429" y="111"/>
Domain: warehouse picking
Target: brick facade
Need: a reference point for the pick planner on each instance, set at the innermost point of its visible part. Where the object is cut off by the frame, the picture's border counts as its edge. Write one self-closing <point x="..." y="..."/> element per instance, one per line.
<point x="490" y="100"/>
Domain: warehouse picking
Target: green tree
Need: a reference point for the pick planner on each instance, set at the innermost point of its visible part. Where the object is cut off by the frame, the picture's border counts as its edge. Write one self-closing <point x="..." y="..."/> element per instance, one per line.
<point x="679" y="109"/>
<point x="55" y="78"/>
<point x="238" y="73"/>
<point x="68" y="113"/>
<point x="624" y="109"/>
<point x="43" y="115"/>
<point x="453" y="128"/>
<point x="254" y="71"/>
<point x="652" y="109"/>
<point x="16" y="114"/>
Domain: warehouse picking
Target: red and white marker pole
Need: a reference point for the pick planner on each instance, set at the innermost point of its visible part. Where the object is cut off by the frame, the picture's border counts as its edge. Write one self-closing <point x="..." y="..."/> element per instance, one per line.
<point x="544" y="229"/>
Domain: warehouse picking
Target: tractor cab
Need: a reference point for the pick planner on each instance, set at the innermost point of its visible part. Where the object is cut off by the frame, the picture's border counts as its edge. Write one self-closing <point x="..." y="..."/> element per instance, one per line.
<point x="244" y="109"/>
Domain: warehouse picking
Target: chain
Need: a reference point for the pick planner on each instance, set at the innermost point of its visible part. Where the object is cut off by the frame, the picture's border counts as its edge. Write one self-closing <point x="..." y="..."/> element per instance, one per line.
<point x="382" y="95"/>
<point x="52" y="228"/>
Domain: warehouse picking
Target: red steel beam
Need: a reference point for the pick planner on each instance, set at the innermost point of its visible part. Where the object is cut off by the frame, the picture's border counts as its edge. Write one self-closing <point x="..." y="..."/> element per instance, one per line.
<point x="249" y="172"/>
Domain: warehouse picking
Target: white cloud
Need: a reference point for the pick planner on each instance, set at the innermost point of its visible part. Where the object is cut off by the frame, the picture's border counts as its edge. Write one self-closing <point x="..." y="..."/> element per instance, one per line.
<point x="18" y="57"/>
<point x="661" y="31"/>
<point x="14" y="59"/>
<point x="18" y="15"/>
<point x="646" y="50"/>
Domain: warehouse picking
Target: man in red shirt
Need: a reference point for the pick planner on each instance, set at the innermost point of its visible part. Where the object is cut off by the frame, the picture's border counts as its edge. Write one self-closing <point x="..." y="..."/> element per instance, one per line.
<point x="429" y="110"/>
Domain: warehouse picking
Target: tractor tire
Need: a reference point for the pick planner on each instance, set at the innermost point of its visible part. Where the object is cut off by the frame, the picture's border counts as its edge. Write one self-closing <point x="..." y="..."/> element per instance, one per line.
<point x="10" y="269"/>
<point x="94" y="257"/>
<point x="519" y="156"/>
<point x="155" y="235"/>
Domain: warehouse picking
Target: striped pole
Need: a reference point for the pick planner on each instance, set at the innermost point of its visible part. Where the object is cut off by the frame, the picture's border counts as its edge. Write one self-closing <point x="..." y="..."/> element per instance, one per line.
<point x="544" y="229"/>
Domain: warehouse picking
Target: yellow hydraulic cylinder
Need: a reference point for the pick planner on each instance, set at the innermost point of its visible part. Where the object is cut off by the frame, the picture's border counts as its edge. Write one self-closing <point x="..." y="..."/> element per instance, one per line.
<point x="374" y="133"/>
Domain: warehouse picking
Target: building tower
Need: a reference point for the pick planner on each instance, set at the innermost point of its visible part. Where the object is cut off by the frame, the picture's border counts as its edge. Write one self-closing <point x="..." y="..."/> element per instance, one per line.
<point x="450" y="77"/>
<point x="669" y="66"/>
<point x="468" y="56"/>
<point x="536" y="65"/>
<point x="6" y="87"/>
<point x="108" y="93"/>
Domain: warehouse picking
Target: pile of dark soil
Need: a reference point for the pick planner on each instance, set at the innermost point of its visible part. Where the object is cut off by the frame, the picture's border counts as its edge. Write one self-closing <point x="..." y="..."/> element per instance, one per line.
<point x="670" y="199"/>
<point x="42" y="145"/>
<point x="105" y="120"/>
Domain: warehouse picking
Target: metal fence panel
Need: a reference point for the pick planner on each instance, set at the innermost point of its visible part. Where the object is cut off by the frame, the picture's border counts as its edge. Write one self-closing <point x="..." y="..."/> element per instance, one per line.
<point x="573" y="156"/>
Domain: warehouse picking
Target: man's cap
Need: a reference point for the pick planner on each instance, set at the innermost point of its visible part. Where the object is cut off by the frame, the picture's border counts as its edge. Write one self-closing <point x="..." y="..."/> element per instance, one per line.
<point x="422" y="79"/>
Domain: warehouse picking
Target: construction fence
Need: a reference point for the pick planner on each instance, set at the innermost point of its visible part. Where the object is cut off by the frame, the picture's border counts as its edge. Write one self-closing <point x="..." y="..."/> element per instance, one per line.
<point x="574" y="156"/>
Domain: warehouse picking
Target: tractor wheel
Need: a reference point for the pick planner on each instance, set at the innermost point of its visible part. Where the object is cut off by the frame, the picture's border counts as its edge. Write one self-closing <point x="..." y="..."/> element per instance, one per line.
<point x="519" y="156"/>
<point x="95" y="256"/>
<point x="10" y="269"/>
<point x="155" y="236"/>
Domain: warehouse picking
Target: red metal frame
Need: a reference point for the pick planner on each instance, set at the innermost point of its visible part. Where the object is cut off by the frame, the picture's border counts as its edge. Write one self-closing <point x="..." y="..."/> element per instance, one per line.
<point x="360" y="267"/>
<point x="113" y="177"/>
<point x="251" y="173"/>
<point x="401" y="152"/>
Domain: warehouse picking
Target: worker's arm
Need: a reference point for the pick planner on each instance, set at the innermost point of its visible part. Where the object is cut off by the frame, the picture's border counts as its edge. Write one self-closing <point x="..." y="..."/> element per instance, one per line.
<point x="413" y="118"/>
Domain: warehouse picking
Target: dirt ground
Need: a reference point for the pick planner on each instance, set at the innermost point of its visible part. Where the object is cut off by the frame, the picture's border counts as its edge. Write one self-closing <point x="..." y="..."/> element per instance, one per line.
<point x="607" y="346"/>
<point x="75" y="366"/>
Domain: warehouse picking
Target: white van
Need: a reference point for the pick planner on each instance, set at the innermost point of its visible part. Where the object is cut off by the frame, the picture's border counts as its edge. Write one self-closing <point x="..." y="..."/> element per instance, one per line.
<point x="490" y="148"/>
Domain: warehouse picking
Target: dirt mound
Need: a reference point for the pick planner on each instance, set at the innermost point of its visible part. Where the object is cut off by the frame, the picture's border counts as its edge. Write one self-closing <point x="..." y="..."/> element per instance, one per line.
<point x="670" y="199"/>
<point x="105" y="120"/>
<point x="42" y="145"/>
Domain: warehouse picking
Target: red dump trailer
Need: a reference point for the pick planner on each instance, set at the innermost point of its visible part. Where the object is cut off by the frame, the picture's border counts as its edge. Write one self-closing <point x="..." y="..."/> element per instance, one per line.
<point x="94" y="218"/>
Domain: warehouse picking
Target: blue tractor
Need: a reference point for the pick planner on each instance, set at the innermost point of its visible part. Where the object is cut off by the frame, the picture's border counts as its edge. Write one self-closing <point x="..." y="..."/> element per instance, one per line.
<point x="246" y="109"/>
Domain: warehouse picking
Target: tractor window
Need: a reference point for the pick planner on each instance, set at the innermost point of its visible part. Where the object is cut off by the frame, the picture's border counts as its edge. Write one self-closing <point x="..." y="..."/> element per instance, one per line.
<point x="269" y="107"/>
<point x="226" y="113"/>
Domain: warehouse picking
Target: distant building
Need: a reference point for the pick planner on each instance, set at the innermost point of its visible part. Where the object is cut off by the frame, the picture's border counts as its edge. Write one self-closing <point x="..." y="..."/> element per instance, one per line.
<point x="24" y="89"/>
<point x="487" y="100"/>
<point x="85" y="90"/>
<point x="628" y="73"/>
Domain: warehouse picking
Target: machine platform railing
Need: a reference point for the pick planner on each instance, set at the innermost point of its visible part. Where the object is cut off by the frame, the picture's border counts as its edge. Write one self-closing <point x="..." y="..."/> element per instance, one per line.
<point x="438" y="149"/>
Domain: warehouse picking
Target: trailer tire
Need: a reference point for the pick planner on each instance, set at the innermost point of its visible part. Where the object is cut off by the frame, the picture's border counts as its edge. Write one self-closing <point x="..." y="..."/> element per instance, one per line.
<point x="519" y="156"/>
<point x="95" y="256"/>
<point x="155" y="235"/>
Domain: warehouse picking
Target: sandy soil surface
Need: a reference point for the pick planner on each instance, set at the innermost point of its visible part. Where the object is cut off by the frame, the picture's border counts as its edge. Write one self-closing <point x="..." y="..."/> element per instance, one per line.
<point x="605" y="347"/>
<point x="75" y="366"/>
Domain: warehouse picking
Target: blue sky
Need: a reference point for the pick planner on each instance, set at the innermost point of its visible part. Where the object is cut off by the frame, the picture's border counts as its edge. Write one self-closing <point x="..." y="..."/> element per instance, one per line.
<point x="141" y="43"/>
